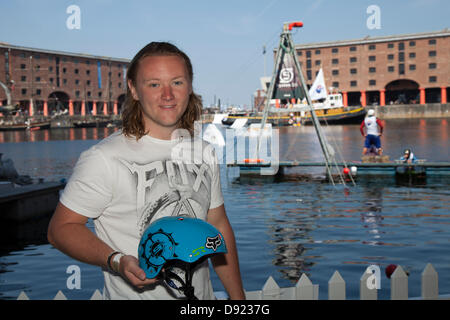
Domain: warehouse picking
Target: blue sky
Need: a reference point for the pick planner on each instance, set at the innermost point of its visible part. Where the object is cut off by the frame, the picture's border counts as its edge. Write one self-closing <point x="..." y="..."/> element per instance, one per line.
<point x="223" y="38"/>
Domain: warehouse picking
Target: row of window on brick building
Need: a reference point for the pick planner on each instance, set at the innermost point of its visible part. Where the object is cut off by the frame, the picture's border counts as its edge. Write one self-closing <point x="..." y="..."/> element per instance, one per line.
<point x="372" y="58"/>
<point x="390" y="57"/>
<point x="401" y="46"/>
<point x="52" y="81"/>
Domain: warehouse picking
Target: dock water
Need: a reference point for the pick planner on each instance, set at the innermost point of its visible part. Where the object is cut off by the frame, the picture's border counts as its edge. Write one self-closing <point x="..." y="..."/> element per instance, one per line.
<point x="297" y="224"/>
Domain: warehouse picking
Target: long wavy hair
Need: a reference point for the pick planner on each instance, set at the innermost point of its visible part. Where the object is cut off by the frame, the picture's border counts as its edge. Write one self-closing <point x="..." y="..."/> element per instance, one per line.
<point x="132" y="116"/>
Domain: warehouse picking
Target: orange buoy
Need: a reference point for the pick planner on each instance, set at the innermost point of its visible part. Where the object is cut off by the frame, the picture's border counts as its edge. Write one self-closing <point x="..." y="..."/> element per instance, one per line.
<point x="253" y="160"/>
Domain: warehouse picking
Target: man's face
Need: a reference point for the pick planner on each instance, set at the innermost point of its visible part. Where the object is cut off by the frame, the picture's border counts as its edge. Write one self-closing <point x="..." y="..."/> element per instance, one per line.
<point x="162" y="88"/>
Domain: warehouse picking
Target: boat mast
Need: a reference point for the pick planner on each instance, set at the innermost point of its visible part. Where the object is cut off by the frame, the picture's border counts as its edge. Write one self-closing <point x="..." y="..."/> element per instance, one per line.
<point x="7" y="92"/>
<point x="31" y="110"/>
<point x="287" y="45"/>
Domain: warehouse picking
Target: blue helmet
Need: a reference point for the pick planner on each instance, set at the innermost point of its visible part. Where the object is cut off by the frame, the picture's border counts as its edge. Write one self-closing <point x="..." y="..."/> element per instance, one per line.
<point x="177" y="243"/>
<point x="180" y="240"/>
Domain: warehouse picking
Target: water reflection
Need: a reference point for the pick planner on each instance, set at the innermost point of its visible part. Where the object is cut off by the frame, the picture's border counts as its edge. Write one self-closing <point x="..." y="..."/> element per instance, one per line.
<point x="70" y="134"/>
<point x="445" y="130"/>
<point x="291" y="233"/>
<point x="371" y="216"/>
<point x="290" y="236"/>
<point x="20" y="239"/>
<point x="16" y="236"/>
<point x="314" y="220"/>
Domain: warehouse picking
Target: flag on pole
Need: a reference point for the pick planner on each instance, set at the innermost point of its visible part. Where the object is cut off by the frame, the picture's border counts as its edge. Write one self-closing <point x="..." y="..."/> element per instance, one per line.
<point x="318" y="89"/>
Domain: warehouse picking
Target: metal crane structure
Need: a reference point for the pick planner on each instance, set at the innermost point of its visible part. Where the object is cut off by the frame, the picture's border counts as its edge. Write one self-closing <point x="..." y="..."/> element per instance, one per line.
<point x="286" y="56"/>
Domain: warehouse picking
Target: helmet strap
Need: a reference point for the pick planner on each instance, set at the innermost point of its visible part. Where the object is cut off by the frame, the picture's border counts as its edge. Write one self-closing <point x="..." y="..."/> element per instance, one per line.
<point x="186" y="285"/>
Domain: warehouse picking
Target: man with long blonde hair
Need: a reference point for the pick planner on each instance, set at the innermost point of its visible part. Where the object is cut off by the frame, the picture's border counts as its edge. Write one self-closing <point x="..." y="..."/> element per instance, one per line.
<point x="133" y="114"/>
<point x="132" y="178"/>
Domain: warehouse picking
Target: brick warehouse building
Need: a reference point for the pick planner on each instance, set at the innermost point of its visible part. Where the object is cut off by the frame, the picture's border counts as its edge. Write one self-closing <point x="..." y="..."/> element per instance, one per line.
<point x="45" y="82"/>
<point x="398" y="69"/>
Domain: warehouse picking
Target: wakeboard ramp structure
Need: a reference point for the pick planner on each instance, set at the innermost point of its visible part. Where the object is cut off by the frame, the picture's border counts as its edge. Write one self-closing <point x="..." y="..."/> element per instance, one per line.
<point x="288" y="83"/>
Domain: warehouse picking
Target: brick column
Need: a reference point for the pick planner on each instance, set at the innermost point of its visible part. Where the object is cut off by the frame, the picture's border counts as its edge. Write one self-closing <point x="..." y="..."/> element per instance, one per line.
<point x="115" y="108"/>
<point x="45" y="108"/>
<point x="70" y="108"/>
<point x="105" y="108"/>
<point x="382" y="97"/>
<point x="443" y="95"/>
<point x="31" y="109"/>
<point x="94" y="108"/>
<point x="422" y="95"/>
<point x="83" y="108"/>
<point x="363" y="98"/>
<point x="344" y="98"/>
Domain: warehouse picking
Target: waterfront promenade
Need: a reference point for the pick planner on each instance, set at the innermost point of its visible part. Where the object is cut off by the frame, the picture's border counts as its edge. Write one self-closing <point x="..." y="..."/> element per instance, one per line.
<point x="401" y="111"/>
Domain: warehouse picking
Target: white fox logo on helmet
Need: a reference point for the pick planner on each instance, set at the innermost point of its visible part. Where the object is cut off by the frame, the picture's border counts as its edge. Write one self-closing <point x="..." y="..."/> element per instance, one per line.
<point x="213" y="243"/>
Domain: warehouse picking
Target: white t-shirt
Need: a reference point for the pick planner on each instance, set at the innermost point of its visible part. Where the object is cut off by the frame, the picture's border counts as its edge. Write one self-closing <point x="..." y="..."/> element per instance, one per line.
<point x="124" y="185"/>
<point x="372" y="126"/>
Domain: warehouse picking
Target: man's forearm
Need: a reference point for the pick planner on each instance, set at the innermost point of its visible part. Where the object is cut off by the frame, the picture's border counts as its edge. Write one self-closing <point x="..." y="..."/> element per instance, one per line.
<point x="68" y="233"/>
<point x="227" y="268"/>
<point x="227" y="265"/>
<point x="78" y="242"/>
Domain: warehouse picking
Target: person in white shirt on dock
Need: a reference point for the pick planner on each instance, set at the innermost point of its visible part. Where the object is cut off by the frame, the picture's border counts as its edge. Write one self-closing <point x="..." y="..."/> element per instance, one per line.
<point x="374" y="130"/>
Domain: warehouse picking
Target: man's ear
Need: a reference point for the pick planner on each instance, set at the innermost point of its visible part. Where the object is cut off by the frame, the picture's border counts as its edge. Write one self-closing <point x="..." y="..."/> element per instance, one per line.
<point x="133" y="90"/>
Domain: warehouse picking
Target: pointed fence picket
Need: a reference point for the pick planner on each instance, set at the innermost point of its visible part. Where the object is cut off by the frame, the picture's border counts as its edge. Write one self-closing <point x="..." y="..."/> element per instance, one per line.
<point x="399" y="284"/>
<point x="365" y="293"/>
<point x="306" y="290"/>
<point x="336" y="287"/>
<point x="60" y="296"/>
<point x="430" y="285"/>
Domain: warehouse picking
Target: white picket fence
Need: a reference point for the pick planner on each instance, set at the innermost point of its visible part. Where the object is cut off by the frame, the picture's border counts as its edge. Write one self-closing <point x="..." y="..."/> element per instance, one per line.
<point x="306" y="290"/>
